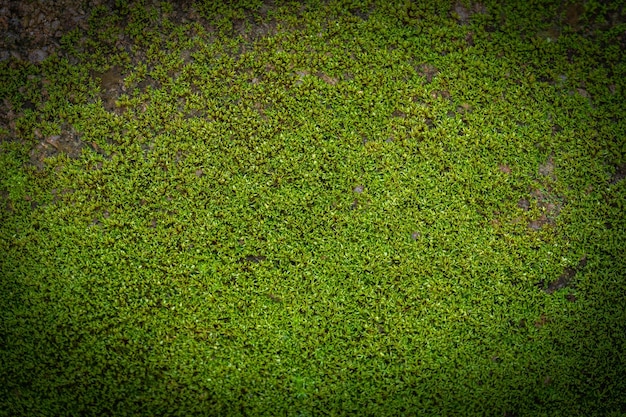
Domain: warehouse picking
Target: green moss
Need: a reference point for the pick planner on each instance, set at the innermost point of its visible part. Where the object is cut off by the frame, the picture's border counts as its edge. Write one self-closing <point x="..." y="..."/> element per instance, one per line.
<point x="318" y="207"/>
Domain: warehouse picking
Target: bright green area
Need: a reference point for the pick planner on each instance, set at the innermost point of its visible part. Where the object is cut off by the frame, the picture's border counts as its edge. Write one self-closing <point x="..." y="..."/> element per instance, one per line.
<point x="288" y="213"/>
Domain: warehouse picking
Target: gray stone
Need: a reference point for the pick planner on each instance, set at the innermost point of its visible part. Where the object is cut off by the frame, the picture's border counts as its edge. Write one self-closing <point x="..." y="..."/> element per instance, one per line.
<point x="36" y="56"/>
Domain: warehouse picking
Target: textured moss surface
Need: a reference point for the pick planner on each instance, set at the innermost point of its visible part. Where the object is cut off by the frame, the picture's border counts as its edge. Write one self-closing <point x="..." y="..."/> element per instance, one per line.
<point x="318" y="209"/>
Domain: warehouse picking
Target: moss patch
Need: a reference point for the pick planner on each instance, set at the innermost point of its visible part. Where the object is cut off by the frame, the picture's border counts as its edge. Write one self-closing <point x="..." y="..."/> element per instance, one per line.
<point x="317" y="207"/>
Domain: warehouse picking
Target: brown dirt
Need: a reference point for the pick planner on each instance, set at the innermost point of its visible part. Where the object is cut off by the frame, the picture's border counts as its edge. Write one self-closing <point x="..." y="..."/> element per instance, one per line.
<point x="547" y="169"/>
<point x="427" y="71"/>
<point x="549" y="203"/>
<point x="620" y="174"/>
<point x="32" y="30"/>
<point x="111" y="86"/>
<point x="463" y="13"/>
<point x="68" y="142"/>
<point x="565" y="279"/>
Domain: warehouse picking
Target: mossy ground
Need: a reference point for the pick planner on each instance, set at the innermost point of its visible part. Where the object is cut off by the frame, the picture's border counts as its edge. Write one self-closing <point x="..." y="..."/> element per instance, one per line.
<point x="318" y="208"/>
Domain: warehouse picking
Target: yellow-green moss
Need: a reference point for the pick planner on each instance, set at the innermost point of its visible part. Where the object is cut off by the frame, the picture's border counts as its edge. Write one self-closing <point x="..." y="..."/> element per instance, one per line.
<point x="317" y="208"/>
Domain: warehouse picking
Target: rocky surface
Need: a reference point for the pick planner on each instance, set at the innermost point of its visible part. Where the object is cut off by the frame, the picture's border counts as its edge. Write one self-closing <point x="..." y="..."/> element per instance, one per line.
<point x="32" y="29"/>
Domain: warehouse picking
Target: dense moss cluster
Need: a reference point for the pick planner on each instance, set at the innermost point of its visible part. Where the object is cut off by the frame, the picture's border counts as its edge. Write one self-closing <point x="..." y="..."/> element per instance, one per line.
<point x="311" y="208"/>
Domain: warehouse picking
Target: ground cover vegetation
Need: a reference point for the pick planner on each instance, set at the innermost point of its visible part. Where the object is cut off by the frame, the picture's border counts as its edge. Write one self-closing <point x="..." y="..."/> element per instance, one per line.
<point x="317" y="208"/>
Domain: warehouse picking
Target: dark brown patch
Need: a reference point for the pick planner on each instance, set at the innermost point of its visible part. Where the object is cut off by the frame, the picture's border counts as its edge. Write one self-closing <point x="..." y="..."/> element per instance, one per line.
<point x="360" y="13"/>
<point x="8" y="204"/>
<point x="566" y="277"/>
<point x="549" y="204"/>
<point x="256" y="25"/>
<point x="258" y="106"/>
<point x="428" y="71"/>
<point x="68" y="142"/>
<point x="112" y="79"/>
<point x="274" y="298"/>
<point x="327" y="79"/>
<point x="562" y="281"/>
<point x="58" y="196"/>
<point x="111" y="85"/>
<point x="539" y="223"/>
<point x="523" y="204"/>
<point x="461" y="13"/>
<point x="7" y="119"/>
<point x="547" y="169"/>
<point x="504" y="168"/>
<point x="253" y="258"/>
<point x="480" y="8"/>
<point x="541" y="321"/>
<point x="620" y="174"/>
<point x="464" y="108"/>
<point x="150" y="82"/>
<point x="573" y="14"/>
<point x="97" y="149"/>
<point x="440" y="94"/>
<point x="583" y="92"/>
